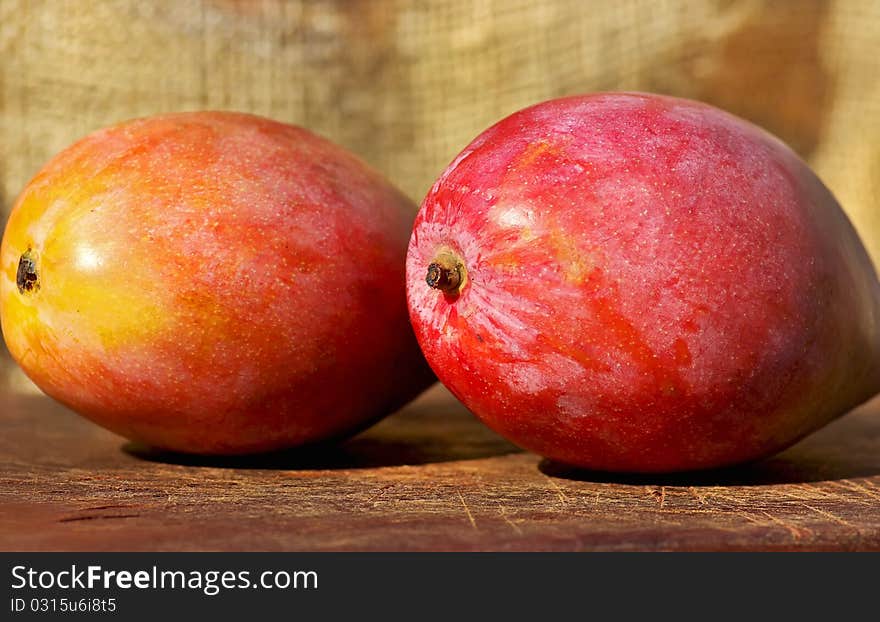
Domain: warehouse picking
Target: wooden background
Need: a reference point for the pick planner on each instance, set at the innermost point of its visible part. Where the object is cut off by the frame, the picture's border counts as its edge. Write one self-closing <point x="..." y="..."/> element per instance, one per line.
<point x="406" y="85"/>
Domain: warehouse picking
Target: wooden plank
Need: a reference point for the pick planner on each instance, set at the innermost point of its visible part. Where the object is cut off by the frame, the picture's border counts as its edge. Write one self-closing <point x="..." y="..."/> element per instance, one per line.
<point x="429" y="478"/>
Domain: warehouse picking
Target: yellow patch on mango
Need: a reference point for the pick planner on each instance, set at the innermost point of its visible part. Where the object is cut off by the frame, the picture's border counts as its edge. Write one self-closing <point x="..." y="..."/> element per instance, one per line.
<point x="534" y="151"/>
<point x="576" y="264"/>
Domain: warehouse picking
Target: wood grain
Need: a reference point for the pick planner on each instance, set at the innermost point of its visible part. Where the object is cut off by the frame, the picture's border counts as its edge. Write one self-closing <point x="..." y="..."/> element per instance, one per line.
<point x="429" y="478"/>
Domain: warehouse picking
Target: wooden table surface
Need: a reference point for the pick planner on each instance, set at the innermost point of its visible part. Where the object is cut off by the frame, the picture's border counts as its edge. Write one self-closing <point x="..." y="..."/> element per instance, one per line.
<point x="428" y="478"/>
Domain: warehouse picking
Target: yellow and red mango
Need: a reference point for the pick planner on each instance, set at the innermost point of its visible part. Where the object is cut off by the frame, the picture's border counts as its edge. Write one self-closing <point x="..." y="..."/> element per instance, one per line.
<point x="212" y="282"/>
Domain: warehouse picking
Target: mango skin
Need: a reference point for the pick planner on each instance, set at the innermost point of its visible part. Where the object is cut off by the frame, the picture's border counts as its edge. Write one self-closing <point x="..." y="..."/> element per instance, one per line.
<point x="215" y="283"/>
<point x="651" y="285"/>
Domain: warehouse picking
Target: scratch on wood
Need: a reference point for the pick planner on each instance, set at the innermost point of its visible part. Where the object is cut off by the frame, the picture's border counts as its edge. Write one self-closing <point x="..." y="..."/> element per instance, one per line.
<point x="71" y="519"/>
<point x="833" y="517"/>
<point x="659" y="493"/>
<point x="723" y="494"/>
<point x="467" y="511"/>
<point x="811" y="490"/>
<point x="562" y="498"/>
<point x="851" y="485"/>
<point x="872" y="485"/>
<point x="794" y="491"/>
<point x="796" y="532"/>
<point x="751" y="518"/>
<point x="696" y="495"/>
<point x="379" y="494"/>
<point x="513" y="525"/>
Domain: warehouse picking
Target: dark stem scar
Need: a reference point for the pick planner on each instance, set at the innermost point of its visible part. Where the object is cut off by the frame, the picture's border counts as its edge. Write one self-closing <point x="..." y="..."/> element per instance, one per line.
<point x="443" y="278"/>
<point x="445" y="273"/>
<point x="27" y="278"/>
